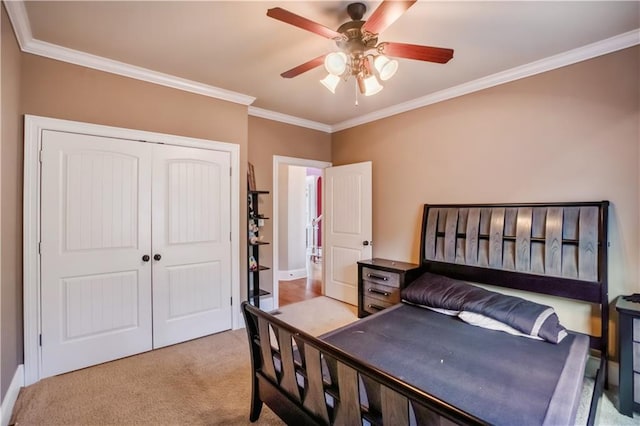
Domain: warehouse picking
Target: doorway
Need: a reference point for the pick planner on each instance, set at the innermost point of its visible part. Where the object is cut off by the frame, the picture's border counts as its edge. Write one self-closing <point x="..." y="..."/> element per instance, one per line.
<point x="297" y="229"/>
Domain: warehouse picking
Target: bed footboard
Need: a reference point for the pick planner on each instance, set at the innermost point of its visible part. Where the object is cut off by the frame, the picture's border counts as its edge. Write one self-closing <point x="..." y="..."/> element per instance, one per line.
<point x="307" y="381"/>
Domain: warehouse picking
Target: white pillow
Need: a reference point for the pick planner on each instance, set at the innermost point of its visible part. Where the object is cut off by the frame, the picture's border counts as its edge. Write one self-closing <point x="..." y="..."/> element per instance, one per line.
<point x="491" y="324"/>
<point x="449" y="312"/>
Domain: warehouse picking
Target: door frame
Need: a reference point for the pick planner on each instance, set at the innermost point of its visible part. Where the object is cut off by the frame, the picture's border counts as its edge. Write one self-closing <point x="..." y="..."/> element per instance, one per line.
<point x="279" y="160"/>
<point x="33" y="129"/>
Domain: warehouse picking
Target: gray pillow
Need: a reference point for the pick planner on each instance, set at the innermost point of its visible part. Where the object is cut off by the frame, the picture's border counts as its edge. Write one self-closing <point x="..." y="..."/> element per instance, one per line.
<point x="437" y="291"/>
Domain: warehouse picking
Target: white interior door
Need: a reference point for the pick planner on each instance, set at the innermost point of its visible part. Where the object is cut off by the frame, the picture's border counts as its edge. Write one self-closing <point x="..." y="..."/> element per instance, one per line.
<point x="95" y="230"/>
<point x="348" y="228"/>
<point x="191" y="244"/>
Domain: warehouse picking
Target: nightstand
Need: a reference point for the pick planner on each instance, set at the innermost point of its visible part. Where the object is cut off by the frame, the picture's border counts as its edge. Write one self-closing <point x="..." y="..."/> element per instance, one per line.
<point x="380" y="282"/>
<point x="629" y="350"/>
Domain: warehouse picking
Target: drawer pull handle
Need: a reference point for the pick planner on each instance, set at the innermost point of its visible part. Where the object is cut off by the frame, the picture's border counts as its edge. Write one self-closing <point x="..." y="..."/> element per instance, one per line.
<point x="377" y="307"/>
<point x="378" y="277"/>
<point x="376" y="291"/>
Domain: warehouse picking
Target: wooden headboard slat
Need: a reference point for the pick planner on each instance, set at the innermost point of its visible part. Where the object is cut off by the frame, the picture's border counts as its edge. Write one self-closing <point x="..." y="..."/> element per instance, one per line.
<point x="553" y="242"/>
<point x="471" y="237"/>
<point x="496" y="240"/>
<point x="523" y="239"/>
<point x="588" y="244"/>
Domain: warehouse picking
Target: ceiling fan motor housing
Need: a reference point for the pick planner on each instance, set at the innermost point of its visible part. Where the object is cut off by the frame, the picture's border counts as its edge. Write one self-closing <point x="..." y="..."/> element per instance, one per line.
<point x="355" y="42"/>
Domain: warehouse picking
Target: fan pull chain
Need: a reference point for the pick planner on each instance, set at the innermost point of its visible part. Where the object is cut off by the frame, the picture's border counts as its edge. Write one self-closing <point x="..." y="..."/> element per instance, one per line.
<point x="356" y="87"/>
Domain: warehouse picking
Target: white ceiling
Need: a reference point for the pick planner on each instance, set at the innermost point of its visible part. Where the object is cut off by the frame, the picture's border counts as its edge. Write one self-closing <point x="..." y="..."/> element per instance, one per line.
<point x="233" y="45"/>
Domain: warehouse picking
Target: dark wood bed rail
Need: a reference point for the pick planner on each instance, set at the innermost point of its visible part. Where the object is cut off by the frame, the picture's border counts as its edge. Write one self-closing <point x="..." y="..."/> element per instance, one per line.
<point x="307" y="381"/>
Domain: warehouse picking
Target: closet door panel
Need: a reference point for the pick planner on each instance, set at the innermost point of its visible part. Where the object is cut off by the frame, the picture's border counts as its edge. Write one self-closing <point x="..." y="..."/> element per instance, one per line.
<point x="191" y="236"/>
<point x="95" y="229"/>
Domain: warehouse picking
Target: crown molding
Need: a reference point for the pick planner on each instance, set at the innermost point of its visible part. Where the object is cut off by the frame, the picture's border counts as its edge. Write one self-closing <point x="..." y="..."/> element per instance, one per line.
<point x="20" y="21"/>
<point x="570" y="57"/>
<point x="289" y="119"/>
<point x="76" y="57"/>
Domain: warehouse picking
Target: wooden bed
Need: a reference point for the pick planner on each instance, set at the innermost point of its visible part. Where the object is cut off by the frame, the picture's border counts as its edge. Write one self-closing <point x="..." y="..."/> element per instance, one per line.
<point x="557" y="249"/>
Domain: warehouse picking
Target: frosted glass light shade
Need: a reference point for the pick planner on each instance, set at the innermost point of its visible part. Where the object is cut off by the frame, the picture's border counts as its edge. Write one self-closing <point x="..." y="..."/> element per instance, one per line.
<point x="386" y="67"/>
<point x="371" y="85"/>
<point x="335" y="63"/>
<point x="331" y="82"/>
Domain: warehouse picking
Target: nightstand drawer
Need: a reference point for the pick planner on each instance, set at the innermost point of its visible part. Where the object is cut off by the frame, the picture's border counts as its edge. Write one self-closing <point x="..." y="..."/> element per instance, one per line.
<point x="636" y="388"/>
<point x="391" y="279"/>
<point x="636" y="329"/>
<point x="380" y="282"/>
<point x="372" y="305"/>
<point x="381" y="292"/>
<point x="636" y="357"/>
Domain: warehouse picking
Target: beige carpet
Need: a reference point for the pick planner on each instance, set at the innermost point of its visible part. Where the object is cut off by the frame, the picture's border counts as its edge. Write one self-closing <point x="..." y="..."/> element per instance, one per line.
<point x="202" y="382"/>
<point x="318" y="315"/>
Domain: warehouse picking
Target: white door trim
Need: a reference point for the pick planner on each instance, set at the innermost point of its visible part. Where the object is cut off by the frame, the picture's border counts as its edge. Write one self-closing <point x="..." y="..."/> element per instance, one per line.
<point x="290" y="161"/>
<point x="33" y="128"/>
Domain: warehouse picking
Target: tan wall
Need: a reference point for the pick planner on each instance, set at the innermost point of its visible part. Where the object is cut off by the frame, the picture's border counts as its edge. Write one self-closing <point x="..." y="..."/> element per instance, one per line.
<point x="11" y="209"/>
<point x="568" y="134"/>
<point x="266" y="139"/>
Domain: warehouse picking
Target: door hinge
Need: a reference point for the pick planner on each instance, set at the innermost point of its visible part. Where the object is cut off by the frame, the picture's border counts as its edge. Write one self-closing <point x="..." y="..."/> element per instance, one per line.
<point x="40" y="247"/>
<point x="230" y="239"/>
<point x="231" y="301"/>
<point x="230" y="171"/>
<point x="40" y="156"/>
<point x="40" y="339"/>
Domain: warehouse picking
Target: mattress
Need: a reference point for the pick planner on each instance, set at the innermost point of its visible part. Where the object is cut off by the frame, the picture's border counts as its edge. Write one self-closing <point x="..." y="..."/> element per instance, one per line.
<point x="500" y="378"/>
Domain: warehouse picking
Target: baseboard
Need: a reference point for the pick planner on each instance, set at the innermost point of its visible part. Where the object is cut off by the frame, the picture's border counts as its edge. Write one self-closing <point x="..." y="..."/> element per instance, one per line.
<point x="266" y="303"/>
<point x="10" y="398"/>
<point x="292" y="275"/>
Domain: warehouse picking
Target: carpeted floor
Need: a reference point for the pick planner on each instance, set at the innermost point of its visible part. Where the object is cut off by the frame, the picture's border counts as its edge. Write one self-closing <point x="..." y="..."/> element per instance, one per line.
<point x="202" y="382"/>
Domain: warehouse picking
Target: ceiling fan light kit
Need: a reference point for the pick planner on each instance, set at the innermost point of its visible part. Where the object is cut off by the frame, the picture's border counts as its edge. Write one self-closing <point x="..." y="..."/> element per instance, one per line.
<point x="339" y="65"/>
<point x="360" y="55"/>
<point x="371" y="86"/>
<point x="386" y="67"/>
<point x="335" y="63"/>
<point x="331" y="82"/>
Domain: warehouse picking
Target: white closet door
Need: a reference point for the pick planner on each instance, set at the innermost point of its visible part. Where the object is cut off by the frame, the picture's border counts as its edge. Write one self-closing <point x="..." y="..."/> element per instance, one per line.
<point x="191" y="238"/>
<point x="95" y="229"/>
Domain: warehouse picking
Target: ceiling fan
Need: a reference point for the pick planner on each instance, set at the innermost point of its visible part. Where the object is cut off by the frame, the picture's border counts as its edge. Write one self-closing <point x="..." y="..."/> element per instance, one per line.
<point x="360" y="55"/>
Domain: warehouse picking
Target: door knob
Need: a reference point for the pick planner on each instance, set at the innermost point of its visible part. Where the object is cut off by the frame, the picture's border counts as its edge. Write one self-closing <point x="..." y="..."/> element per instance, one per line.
<point x="145" y="258"/>
<point x="365" y="243"/>
<point x="157" y="257"/>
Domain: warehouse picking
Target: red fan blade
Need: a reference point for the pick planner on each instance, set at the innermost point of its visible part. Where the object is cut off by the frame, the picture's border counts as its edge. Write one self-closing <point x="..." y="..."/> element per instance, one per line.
<point x="386" y="14"/>
<point x="316" y="62"/>
<point x="291" y="18"/>
<point x="420" y="53"/>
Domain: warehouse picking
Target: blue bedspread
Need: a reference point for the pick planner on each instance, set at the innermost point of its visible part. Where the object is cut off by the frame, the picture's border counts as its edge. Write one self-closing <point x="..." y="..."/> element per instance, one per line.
<point x="502" y="379"/>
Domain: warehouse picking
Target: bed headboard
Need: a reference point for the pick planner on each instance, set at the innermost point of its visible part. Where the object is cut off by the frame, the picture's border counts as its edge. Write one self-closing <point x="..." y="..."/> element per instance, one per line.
<point x="558" y="249"/>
